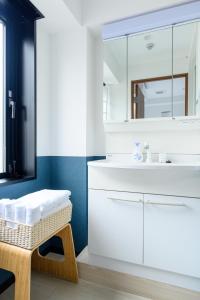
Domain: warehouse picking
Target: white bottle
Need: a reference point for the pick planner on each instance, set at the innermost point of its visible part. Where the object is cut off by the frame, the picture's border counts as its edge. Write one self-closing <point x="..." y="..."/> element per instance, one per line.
<point x="148" y="153"/>
<point x="138" y="156"/>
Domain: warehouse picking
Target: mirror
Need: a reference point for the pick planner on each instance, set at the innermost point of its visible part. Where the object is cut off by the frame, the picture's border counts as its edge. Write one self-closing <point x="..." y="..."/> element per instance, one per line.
<point x="150" y="74"/>
<point x="186" y="51"/>
<point x="115" y="80"/>
<point x="154" y="74"/>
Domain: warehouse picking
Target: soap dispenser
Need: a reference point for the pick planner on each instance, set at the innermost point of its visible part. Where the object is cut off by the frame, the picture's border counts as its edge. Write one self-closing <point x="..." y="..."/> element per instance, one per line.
<point x="148" y="153"/>
<point x="138" y="156"/>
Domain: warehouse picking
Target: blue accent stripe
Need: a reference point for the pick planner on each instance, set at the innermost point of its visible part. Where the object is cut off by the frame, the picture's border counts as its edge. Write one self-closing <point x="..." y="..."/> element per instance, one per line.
<point x="165" y="17"/>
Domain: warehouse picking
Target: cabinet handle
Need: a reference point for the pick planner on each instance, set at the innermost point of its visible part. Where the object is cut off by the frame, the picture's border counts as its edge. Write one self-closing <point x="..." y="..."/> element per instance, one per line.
<point x="124" y="200"/>
<point x="166" y="204"/>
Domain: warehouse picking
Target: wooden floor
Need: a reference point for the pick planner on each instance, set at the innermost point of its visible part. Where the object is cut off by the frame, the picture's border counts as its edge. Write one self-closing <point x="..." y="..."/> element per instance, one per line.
<point x="44" y="287"/>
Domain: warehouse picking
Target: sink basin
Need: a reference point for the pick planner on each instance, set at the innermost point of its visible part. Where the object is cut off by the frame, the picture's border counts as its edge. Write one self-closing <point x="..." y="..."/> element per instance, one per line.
<point x="106" y="163"/>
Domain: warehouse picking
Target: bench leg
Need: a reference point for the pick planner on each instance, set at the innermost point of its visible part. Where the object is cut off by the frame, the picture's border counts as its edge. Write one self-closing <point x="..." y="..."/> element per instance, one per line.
<point x="17" y="261"/>
<point x="65" y="269"/>
<point x="23" y="278"/>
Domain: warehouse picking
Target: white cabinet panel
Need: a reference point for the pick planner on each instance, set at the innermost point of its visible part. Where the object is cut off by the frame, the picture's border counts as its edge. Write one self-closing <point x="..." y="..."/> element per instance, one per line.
<point x="116" y="225"/>
<point x="172" y="234"/>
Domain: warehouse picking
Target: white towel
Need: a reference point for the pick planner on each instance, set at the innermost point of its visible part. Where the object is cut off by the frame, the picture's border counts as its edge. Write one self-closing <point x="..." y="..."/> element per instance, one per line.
<point x="10" y="210"/>
<point x="33" y="214"/>
<point x="31" y="208"/>
<point x="3" y="202"/>
<point x="43" y="203"/>
<point x="10" y="213"/>
<point x="20" y="212"/>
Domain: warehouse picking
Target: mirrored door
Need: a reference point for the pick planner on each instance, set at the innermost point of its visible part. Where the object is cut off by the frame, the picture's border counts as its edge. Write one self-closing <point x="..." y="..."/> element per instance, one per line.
<point x="186" y="61"/>
<point x="115" y="90"/>
<point x="150" y="74"/>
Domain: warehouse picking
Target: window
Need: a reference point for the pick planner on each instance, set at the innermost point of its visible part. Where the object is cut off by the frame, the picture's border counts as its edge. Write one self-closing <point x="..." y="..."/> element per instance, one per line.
<point x="2" y="99"/>
<point x="18" y="89"/>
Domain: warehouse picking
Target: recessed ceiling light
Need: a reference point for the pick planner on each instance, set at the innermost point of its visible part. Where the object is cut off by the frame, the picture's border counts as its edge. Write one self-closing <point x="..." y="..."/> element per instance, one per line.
<point x="150" y="46"/>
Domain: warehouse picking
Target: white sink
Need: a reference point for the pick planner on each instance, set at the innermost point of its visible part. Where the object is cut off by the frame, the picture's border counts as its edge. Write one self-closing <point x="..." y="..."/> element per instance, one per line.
<point x="106" y="163"/>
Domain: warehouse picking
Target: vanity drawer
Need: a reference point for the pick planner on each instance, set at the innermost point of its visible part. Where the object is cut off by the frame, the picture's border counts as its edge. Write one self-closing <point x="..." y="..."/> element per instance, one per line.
<point x="116" y="225"/>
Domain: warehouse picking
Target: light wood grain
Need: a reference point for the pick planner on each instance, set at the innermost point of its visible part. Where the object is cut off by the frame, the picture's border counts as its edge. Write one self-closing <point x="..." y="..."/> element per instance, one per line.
<point x="18" y="261"/>
<point x="65" y="269"/>
<point x="135" y="285"/>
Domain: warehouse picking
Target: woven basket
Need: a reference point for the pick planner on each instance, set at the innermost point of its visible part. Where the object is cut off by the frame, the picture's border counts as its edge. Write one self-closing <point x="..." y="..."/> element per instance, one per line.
<point x="29" y="237"/>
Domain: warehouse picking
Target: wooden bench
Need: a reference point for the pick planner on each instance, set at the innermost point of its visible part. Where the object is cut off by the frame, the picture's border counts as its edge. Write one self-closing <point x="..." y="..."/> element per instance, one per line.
<point x="20" y="261"/>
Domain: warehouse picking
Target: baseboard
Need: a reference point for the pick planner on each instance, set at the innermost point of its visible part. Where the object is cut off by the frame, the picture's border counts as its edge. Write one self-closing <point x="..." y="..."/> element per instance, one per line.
<point x="135" y="285"/>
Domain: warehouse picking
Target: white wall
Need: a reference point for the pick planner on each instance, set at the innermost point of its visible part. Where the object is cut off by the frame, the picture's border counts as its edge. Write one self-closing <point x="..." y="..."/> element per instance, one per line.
<point x="167" y="141"/>
<point x="43" y="91"/>
<point x="76" y="7"/>
<point x="68" y="93"/>
<point x="69" y="116"/>
<point x="91" y="95"/>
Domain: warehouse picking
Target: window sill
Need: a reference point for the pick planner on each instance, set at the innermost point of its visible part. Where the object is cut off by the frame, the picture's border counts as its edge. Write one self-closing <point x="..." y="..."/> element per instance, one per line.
<point x="9" y="181"/>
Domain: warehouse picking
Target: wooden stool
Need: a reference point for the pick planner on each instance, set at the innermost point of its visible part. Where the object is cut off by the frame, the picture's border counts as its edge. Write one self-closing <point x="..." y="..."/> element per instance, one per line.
<point x="19" y="261"/>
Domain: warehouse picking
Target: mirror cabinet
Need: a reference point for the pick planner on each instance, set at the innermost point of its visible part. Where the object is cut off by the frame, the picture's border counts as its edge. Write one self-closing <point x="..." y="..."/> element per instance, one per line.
<point x="153" y="74"/>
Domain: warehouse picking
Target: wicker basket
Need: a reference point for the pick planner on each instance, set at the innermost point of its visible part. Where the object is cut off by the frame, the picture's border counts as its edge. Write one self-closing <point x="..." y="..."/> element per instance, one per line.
<point x="29" y="237"/>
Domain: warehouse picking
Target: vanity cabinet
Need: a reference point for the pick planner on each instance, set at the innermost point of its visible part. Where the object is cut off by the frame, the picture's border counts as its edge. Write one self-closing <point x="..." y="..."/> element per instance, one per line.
<point x="116" y="225"/>
<point x="157" y="231"/>
<point x="171" y="234"/>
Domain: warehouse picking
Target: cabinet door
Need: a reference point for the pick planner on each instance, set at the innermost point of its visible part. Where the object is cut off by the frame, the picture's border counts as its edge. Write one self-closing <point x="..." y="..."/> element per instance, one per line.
<point x="116" y="225"/>
<point x="171" y="234"/>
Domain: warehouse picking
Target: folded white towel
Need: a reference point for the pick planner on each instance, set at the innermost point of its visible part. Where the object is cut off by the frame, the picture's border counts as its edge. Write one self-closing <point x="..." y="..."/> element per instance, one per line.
<point x="33" y="214"/>
<point x="10" y="213"/>
<point x="31" y="208"/>
<point x="20" y="212"/>
<point x="43" y="203"/>
<point x="3" y="202"/>
<point x="10" y="210"/>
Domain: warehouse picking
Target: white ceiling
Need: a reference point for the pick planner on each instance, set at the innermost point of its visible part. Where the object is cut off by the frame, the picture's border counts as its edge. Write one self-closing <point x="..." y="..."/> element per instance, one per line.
<point x="61" y="14"/>
<point x="57" y="16"/>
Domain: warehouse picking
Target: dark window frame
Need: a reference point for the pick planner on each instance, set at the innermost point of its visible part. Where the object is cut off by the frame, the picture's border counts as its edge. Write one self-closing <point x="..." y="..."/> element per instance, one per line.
<point x="19" y="17"/>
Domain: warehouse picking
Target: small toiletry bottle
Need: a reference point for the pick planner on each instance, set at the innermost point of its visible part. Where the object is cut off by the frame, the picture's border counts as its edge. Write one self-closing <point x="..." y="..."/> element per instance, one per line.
<point x="162" y="158"/>
<point x="148" y="153"/>
<point x="138" y="156"/>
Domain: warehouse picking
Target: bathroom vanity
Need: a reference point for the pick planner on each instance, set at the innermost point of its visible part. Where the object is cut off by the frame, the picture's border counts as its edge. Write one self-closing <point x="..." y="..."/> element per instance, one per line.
<point x="144" y="218"/>
<point x="130" y="221"/>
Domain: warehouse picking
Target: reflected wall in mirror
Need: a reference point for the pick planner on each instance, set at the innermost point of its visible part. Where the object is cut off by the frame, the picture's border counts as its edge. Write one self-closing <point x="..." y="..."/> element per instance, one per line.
<point x="115" y="80"/>
<point x="186" y="59"/>
<point x="150" y="74"/>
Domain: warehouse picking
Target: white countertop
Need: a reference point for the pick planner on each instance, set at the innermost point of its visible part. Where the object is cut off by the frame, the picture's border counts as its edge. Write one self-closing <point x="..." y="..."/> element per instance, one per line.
<point x="145" y="166"/>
